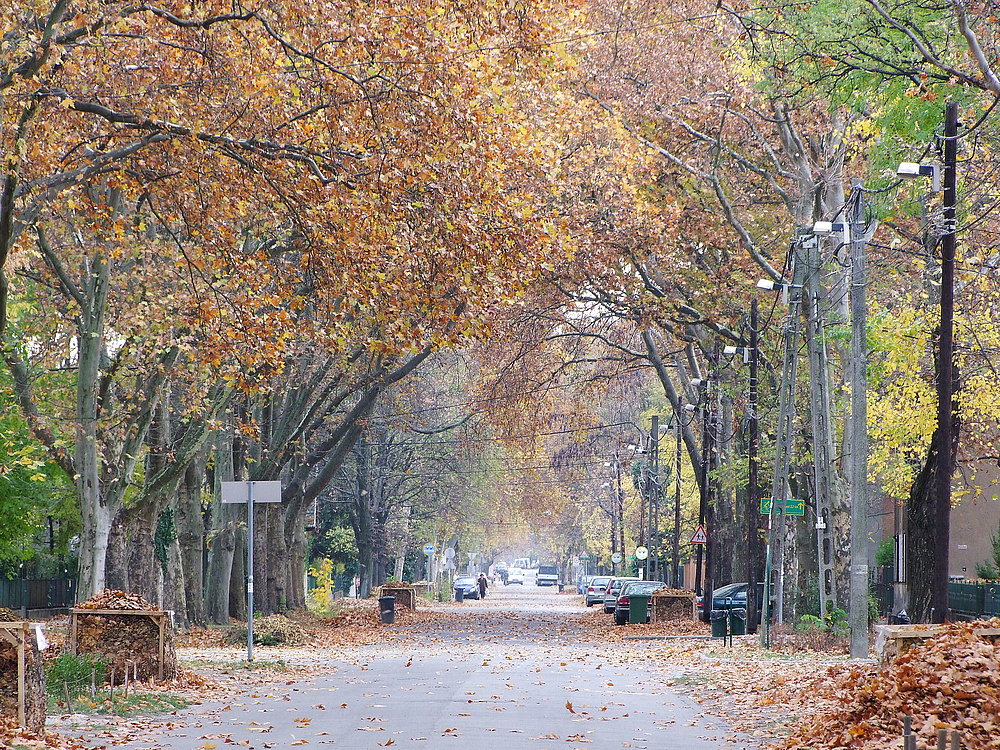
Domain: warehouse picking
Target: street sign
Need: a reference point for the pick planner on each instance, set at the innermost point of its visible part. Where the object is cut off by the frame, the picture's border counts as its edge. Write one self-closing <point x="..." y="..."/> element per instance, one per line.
<point x="616" y="558"/>
<point x="700" y="537"/>
<point x="263" y="492"/>
<point x="641" y="553"/>
<point x="429" y="549"/>
<point x="584" y="556"/>
<point x="449" y="552"/>
<point x="472" y="556"/>
<point x="793" y="507"/>
<point x="250" y="493"/>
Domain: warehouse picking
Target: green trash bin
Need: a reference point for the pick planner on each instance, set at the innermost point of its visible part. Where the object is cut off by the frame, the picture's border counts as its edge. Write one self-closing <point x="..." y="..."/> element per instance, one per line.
<point x="720" y="624"/>
<point x="638" y="606"/>
<point x="737" y="622"/>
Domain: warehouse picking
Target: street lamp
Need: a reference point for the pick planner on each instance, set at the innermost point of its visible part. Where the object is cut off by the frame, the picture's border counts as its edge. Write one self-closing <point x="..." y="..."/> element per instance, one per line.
<point x="908" y="170"/>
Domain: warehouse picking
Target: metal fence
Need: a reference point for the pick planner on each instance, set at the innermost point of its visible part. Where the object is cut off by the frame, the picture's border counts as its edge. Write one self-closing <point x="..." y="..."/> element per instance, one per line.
<point x="39" y="593"/>
<point x="973" y="600"/>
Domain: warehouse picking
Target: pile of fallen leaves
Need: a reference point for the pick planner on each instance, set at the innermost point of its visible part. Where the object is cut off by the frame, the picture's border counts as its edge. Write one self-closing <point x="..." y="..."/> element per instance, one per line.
<point x="272" y="630"/>
<point x="951" y="681"/>
<point x="125" y="639"/>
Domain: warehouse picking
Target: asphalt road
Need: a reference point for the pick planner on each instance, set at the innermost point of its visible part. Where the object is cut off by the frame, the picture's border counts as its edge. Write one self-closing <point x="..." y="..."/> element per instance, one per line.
<point x="507" y="674"/>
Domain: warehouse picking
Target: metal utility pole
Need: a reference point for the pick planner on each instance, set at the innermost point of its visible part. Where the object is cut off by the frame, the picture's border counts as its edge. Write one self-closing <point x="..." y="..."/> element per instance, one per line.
<point x="858" y="609"/>
<point x="822" y="428"/>
<point x="652" y="539"/>
<point x="775" y="556"/>
<point x="752" y="491"/>
<point x="675" y="577"/>
<point x="703" y="499"/>
<point x="946" y="349"/>
<point x="620" y="509"/>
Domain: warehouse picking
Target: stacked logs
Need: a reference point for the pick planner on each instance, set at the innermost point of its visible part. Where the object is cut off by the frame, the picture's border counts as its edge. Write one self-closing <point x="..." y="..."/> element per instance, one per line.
<point x="126" y="641"/>
<point x="34" y="677"/>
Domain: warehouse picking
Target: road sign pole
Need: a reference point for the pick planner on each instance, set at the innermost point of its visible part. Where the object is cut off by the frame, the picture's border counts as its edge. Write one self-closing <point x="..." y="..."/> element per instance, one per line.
<point x="250" y="571"/>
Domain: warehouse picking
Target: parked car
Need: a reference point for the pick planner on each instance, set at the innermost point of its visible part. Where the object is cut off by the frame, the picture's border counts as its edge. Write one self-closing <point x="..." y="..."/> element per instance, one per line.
<point x="582" y="583"/>
<point x="595" y="590"/>
<point x="733" y="596"/>
<point x="635" y="588"/>
<point x="611" y="592"/>
<point x="548" y="575"/>
<point x="515" y="575"/>
<point x="468" y="585"/>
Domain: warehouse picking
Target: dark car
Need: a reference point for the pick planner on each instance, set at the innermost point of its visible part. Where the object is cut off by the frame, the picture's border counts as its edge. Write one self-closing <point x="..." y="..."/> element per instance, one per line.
<point x="733" y="596"/>
<point x="611" y="592"/>
<point x="635" y="588"/>
<point x="468" y="585"/>
<point x="730" y="596"/>
<point x="594" y="593"/>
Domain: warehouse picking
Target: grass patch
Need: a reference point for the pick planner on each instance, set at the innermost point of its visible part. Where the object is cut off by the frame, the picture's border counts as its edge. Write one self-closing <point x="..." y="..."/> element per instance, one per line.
<point x="136" y="704"/>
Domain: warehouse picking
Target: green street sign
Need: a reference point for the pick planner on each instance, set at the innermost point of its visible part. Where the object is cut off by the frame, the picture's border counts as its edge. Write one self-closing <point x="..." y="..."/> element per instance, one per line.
<point x="793" y="507"/>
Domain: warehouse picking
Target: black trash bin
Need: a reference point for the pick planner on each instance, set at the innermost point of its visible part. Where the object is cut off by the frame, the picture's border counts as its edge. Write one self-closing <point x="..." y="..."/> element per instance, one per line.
<point x="738" y="622"/>
<point x="720" y="623"/>
<point x="459" y="595"/>
<point x="387" y="609"/>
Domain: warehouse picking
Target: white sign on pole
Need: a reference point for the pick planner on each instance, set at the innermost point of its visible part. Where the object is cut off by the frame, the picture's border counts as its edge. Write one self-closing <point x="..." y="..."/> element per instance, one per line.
<point x="472" y="556"/>
<point x="429" y="549"/>
<point x="641" y="553"/>
<point x="449" y="552"/>
<point x="616" y="558"/>
<point x="250" y="493"/>
<point x="263" y="492"/>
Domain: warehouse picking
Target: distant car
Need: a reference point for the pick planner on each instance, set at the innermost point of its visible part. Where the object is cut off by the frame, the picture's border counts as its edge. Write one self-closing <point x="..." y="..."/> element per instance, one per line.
<point x="733" y="596"/>
<point x="595" y="590"/>
<point x="548" y="575"/>
<point x="635" y="588"/>
<point x="582" y="583"/>
<point x="611" y="592"/>
<point x="468" y="585"/>
<point x="515" y="575"/>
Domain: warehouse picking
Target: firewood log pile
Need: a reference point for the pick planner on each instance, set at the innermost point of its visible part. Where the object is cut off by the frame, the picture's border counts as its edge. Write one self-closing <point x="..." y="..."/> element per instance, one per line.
<point x="126" y="641"/>
<point x="34" y="679"/>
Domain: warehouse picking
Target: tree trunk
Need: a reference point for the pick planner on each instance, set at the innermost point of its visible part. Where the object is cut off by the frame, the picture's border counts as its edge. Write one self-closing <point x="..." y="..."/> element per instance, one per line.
<point x="238" y="579"/>
<point x="221" y="564"/>
<point x="174" y="596"/>
<point x="297" y="570"/>
<point x="191" y="540"/>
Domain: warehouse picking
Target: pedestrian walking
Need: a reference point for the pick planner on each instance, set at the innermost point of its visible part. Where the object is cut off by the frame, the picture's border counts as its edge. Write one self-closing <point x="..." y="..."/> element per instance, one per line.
<point x="483" y="585"/>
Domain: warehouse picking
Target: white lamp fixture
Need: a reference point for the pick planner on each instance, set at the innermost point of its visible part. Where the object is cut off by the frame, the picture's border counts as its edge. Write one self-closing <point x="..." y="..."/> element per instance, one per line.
<point x="775" y="286"/>
<point x="690" y="407"/>
<point x="698" y="382"/>
<point x="744" y="350"/>
<point x="909" y="170"/>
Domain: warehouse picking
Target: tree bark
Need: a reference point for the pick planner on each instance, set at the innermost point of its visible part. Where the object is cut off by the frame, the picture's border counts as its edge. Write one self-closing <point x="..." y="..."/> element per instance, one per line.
<point x="191" y="541"/>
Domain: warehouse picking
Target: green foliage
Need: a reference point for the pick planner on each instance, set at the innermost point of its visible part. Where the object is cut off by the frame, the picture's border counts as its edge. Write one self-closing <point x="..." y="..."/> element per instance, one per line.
<point x="77" y="672"/>
<point x="987" y="571"/>
<point x="809" y="624"/>
<point x="834" y="623"/>
<point x="166" y="534"/>
<point x="990" y="569"/>
<point x="885" y="552"/>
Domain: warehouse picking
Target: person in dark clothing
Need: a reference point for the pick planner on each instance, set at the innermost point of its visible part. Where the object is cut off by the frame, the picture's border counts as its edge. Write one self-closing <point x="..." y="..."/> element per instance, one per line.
<point x="483" y="585"/>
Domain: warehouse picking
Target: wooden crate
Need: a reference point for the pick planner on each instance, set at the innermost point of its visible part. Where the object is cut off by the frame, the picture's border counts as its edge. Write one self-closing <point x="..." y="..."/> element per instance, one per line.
<point x="17" y="634"/>
<point x="159" y="618"/>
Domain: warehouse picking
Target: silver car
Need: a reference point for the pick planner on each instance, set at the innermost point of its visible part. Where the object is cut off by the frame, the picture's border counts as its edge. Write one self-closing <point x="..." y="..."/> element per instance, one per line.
<point x="611" y="593"/>
<point x="594" y="593"/>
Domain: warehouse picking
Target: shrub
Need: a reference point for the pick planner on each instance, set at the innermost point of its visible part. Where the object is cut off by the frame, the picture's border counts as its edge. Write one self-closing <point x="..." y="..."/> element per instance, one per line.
<point x="76" y="671"/>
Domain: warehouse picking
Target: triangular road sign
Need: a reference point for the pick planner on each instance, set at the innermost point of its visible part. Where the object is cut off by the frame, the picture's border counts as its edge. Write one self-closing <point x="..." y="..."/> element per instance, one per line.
<point x="700" y="537"/>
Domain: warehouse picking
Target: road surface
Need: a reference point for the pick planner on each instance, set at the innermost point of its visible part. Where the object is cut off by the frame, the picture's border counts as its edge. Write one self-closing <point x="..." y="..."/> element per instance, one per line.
<point x="508" y="673"/>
